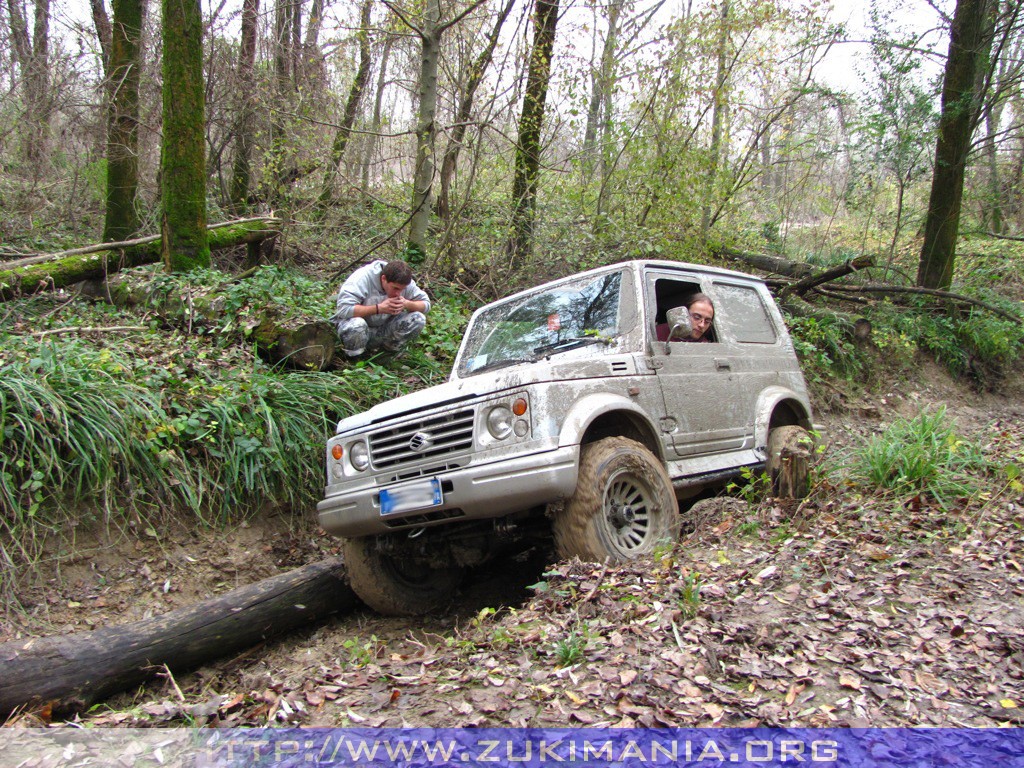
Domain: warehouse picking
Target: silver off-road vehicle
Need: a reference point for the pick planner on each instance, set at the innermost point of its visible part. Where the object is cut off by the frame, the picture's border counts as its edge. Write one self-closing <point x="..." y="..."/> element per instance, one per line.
<point x="565" y="415"/>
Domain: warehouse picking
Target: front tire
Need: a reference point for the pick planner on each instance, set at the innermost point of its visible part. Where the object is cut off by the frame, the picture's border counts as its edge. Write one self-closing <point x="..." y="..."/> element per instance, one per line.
<point x="623" y="504"/>
<point x="394" y="585"/>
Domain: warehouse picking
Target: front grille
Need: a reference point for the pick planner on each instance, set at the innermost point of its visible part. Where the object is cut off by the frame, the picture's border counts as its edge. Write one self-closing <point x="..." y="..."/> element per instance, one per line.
<point x="421" y="440"/>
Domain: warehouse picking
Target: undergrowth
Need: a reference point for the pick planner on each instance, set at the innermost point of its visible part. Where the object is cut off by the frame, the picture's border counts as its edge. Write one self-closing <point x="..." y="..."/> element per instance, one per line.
<point x="922" y="455"/>
<point x="107" y="410"/>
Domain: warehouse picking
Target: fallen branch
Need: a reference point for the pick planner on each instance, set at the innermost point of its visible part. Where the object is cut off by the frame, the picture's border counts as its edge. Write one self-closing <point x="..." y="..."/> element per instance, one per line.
<point x="930" y="292"/>
<point x="80" y="329"/>
<point x="773" y="264"/>
<point x="811" y="281"/>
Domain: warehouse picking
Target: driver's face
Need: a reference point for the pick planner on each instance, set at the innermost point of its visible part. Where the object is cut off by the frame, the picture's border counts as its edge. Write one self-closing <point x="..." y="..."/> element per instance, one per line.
<point x="701" y="315"/>
<point x="392" y="290"/>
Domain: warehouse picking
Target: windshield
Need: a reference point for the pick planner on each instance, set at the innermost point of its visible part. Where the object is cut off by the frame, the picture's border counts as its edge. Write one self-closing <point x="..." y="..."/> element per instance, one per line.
<point x="563" y="317"/>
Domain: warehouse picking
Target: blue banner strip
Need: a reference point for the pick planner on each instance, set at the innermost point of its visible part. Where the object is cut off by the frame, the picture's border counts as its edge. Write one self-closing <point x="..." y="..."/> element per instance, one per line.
<point x="514" y="748"/>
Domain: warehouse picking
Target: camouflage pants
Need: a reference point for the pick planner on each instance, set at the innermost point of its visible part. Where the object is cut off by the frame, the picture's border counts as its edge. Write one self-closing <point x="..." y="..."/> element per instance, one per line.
<point x="357" y="335"/>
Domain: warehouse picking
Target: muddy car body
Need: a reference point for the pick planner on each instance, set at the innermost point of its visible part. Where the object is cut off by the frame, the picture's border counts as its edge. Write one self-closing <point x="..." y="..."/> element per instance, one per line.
<point x="564" y="414"/>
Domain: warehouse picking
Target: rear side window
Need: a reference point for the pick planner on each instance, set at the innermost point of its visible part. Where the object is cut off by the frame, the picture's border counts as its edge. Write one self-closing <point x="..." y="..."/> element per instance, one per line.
<point x="746" y="315"/>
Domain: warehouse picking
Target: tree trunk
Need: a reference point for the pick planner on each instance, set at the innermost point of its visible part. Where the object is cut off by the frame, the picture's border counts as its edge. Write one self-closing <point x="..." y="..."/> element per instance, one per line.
<point x="968" y="47"/>
<point x="476" y="74"/>
<point x="719" y="117"/>
<point x="63" y="272"/>
<point x="104" y="33"/>
<point x="72" y="672"/>
<point x="122" y="219"/>
<point x="355" y="96"/>
<point x="602" y="87"/>
<point x="182" y="153"/>
<point x="527" y="160"/>
<point x="241" y="171"/>
<point x="378" y="102"/>
<point x="423" y="176"/>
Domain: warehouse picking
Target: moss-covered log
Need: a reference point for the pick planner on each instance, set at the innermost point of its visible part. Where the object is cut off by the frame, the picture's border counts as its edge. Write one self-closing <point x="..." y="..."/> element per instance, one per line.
<point x="63" y="272"/>
<point x="298" y="341"/>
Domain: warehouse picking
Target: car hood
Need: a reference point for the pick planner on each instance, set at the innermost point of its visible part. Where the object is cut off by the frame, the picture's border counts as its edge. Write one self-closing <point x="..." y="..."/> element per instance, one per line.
<point x="458" y="391"/>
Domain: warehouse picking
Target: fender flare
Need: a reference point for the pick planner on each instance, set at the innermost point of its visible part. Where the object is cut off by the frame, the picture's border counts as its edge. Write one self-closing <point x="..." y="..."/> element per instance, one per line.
<point x="767" y="402"/>
<point x="588" y="409"/>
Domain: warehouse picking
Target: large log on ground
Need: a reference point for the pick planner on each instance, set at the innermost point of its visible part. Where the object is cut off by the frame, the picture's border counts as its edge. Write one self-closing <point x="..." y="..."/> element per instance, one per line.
<point x="71" y="672"/>
<point x="62" y="272"/>
<point x="773" y="264"/>
<point x="298" y="341"/>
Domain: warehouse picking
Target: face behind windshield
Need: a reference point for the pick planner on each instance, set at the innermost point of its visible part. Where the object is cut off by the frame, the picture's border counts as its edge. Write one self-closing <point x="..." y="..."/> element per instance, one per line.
<point x="542" y="322"/>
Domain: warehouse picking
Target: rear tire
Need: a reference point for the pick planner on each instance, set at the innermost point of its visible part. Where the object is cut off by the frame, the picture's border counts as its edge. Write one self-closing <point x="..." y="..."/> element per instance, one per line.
<point x="623" y="505"/>
<point x="789" y="461"/>
<point x="393" y="585"/>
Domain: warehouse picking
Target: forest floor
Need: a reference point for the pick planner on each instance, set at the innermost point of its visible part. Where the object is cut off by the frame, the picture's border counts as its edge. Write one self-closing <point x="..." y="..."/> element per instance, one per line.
<point x="842" y="610"/>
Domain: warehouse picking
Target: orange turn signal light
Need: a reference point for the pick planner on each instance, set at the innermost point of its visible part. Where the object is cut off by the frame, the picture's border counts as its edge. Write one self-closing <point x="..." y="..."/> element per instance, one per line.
<point x="337" y="451"/>
<point x="519" y="406"/>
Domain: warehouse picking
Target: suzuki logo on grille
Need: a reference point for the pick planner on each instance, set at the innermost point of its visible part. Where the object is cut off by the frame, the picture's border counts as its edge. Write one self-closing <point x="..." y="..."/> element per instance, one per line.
<point x="421" y="441"/>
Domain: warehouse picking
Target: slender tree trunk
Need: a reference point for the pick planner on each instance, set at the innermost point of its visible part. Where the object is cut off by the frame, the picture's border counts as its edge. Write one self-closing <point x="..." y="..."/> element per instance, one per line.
<point x="355" y="96"/>
<point x="241" y="172"/>
<point x="527" y="160"/>
<point x="719" y="117"/>
<point x="599" y="108"/>
<point x="423" y="175"/>
<point x="103" y="32"/>
<point x="378" y="102"/>
<point x="465" y="109"/>
<point x="122" y="219"/>
<point x="968" y="47"/>
<point x="182" y="155"/>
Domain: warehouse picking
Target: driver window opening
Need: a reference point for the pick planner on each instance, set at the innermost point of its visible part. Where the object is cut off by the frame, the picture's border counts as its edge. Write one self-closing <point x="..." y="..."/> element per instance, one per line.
<point x="675" y="293"/>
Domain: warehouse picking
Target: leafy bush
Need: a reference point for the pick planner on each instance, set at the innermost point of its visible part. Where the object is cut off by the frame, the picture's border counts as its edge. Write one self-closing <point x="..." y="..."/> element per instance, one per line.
<point x="825" y="347"/>
<point x="920" y="455"/>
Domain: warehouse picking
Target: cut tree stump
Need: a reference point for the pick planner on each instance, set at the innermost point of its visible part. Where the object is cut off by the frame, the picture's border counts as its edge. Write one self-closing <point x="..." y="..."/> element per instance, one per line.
<point x="71" y="672"/>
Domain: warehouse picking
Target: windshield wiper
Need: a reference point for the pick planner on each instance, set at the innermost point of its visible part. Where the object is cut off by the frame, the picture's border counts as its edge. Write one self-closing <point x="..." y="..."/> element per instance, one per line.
<point x="567" y="344"/>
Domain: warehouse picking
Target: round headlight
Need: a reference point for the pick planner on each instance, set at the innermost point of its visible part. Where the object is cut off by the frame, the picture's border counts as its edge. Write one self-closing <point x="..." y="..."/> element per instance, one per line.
<point x="359" y="455"/>
<point x="499" y="422"/>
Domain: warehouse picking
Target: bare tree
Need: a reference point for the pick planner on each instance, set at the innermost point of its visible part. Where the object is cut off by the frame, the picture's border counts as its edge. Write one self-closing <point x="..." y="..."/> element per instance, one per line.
<point x="430" y="32"/>
<point x="355" y="96"/>
<point x="241" y="173"/>
<point x="465" y="108"/>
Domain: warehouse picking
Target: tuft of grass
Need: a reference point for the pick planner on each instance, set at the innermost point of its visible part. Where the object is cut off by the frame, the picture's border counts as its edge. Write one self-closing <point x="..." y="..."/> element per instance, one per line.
<point x="569" y="650"/>
<point x="920" y="455"/>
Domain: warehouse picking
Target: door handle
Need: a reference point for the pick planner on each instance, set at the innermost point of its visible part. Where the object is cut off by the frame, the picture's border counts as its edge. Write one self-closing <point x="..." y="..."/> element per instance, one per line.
<point x="723" y="365"/>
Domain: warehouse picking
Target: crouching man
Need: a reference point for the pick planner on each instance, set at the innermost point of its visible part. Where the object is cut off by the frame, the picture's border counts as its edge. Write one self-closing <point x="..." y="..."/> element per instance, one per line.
<point x="380" y="307"/>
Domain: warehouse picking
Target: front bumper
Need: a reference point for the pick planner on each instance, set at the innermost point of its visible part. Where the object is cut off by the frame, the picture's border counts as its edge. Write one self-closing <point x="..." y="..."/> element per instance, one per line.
<point x="475" y="492"/>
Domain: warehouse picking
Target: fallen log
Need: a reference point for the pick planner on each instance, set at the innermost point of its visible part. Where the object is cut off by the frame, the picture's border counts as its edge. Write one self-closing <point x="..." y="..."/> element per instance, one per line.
<point x="773" y="264"/>
<point x="61" y="272"/>
<point x="298" y="341"/>
<point x="71" y="672"/>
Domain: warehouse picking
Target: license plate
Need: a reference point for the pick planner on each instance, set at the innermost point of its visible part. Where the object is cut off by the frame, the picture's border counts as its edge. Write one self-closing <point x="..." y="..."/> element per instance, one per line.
<point x="408" y="497"/>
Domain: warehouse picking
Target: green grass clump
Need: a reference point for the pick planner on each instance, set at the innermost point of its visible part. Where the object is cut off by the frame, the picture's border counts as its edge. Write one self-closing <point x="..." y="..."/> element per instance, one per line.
<point x="920" y="455"/>
<point x="168" y="422"/>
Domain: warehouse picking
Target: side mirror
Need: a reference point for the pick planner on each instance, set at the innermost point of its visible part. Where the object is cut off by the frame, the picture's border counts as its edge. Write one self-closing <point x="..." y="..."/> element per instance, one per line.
<point x="680" y="326"/>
